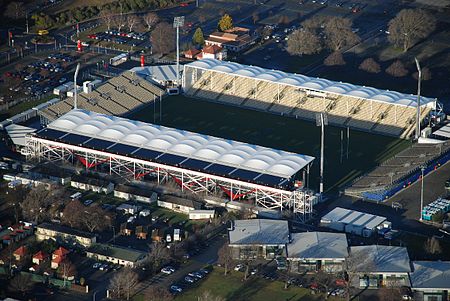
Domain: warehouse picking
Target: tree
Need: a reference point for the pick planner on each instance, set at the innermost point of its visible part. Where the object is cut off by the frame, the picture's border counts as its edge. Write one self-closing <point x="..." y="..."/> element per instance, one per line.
<point x="107" y="18"/>
<point x="66" y="269"/>
<point x="36" y="203"/>
<point x="334" y="59"/>
<point x="357" y="262"/>
<point x="158" y="293"/>
<point x="158" y="255"/>
<point x="225" y="23"/>
<point x="225" y="257"/>
<point x="131" y="21"/>
<point x="163" y="38"/>
<point x="426" y="74"/>
<point x="208" y="296"/>
<point x="255" y="17"/>
<point x="409" y="27"/>
<point x="389" y="293"/>
<point x="123" y="283"/>
<point x="303" y="42"/>
<point x="94" y="218"/>
<point x="325" y="280"/>
<point x="198" y="38"/>
<point x="21" y="283"/>
<point x="150" y="20"/>
<point x="119" y="21"/>
<point x="283" y="19"/>
<point x="42" y="21"/>
<point x="15" y="10"/>
<point x="73" y="214"/>
<point x="14" y="198"/>
<point x="370" y="65"/>
<point x="338" y="33"/>
<point x="432" y="246"/>
<point x="397" y="69"/>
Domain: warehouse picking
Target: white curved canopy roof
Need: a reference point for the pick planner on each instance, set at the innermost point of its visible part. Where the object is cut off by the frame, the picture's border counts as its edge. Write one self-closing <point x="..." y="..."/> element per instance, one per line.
<point x="306" y="82"/>
<point x="211" y="149"/>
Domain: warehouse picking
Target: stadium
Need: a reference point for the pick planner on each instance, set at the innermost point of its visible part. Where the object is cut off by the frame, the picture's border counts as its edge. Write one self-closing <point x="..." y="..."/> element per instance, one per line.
<point x="269" y="170"/>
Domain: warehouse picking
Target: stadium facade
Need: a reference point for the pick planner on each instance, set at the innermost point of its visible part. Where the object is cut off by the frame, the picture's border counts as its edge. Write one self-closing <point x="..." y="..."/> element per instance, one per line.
<point x="197" y="163"/>
<point x="364" y="108"/>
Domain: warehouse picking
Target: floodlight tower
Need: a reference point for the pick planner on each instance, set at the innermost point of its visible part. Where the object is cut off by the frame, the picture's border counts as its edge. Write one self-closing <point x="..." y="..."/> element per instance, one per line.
<point x="419" y="79"/>
<point x="75" y="104"/>
<point x="322" y="121"/>
<point x="177" y="23"/>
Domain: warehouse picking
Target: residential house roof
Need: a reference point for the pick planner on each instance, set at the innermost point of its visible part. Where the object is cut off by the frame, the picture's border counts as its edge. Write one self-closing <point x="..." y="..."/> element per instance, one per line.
<point x="61" y="252"/>
<point x="259" y="232"/>
<point x="430" y="275"/>
<point x="49" y="169"/>
<point x="20" y="251"/>
<point x="192" y="52"/>
<point x="212" y="49"/>
<point x="182" y="202"/>
<point x="65" y="230"/>
<point x="134" y="190"/>
<point x="40" y="255"/>
<point x="380" y="259"/>
<point x="91" y="180"/>
<point x="122" y="253"/>
<point x="318" y="245"/>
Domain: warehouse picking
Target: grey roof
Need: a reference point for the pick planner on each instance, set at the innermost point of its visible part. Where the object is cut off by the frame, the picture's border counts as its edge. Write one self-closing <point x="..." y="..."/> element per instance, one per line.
<point x="380" y="259"/>
<point x="259" y="232"/>
<point x="431" y="275"/>
<point x="357" y="218"/>
<point x="159" y="73"/>
<point x="66" y="230"/>
<point x="181" y="201"/>
<point x="140" y="191"/>
<point x="320" y="245"/>
<point x="117" y="252"/>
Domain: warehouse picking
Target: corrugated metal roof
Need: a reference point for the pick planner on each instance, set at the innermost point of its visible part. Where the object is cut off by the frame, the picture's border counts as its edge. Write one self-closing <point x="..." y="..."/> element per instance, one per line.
<point x="431" y="275"/>
<point x="259" y="232"/>
<point x="380" y="259"/>
<point x="317" y="245"/>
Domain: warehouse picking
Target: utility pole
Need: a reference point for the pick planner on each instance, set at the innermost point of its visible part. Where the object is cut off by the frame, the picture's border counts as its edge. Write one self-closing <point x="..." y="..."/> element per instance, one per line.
<point x="75" y="104"/>
<point x="322" y="121"/>
<point x="422" y="169"/>
<point x="26" y="21"/>
<point x="419" y="79"/>
<point x="177" y="23"/>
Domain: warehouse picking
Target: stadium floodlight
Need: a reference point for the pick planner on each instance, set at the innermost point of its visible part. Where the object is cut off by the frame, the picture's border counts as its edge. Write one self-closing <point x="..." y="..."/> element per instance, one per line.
<point x="75" y="104"/>
<point x="177" y="23"/>
<point x="322" y="121"/>
<point x="419" y="79"/>
<point x="422" y="169"/>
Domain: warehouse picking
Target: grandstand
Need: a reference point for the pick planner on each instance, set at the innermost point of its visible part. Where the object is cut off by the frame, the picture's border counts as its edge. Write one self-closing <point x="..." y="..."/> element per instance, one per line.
<point x="197" y="163"/>
<point x="363" y="108"/>
<point x="118" y="96"/>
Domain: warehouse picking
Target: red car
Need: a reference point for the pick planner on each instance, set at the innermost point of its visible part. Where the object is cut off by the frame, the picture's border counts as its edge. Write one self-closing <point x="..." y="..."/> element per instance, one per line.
<point x="92" y="36"/>
<point x="184" y="4"/>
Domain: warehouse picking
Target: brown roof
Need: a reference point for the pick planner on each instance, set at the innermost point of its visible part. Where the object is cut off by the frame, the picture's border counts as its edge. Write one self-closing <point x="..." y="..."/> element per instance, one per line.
<point x="192" y="52"/>
<point x="61" y="252"/>
<point x="40" y="255"/>
<point x="21" y="251"/>
<point x="213" y="49"/>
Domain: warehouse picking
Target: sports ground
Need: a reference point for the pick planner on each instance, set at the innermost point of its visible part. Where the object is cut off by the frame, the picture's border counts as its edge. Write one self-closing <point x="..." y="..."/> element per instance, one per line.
<point x="365" y="150"/>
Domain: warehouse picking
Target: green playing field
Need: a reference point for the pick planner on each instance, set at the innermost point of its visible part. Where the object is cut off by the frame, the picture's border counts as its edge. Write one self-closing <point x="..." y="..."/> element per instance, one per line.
<point x="365" y="150"/>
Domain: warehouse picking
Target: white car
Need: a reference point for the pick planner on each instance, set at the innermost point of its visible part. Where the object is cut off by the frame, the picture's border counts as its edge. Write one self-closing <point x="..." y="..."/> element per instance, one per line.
<point x="168" y="270"/>
<point x="239" y="267"/>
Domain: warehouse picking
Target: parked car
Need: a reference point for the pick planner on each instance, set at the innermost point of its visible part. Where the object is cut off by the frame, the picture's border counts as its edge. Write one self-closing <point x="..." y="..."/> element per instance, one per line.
<point x="168" y="270"/>
<point x="88" y="202"/>
<point x="104" y="267"/>
<point x="175" y="289"/>
<point x="96" y="265"/>
<point x="240" y="267"/>
<point x="189" y="279"/>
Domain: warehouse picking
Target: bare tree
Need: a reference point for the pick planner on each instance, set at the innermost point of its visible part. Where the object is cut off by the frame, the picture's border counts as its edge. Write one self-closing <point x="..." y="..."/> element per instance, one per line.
<point x="119" y="21"/>
<point x="94" y="218"/>
<point x="255" y="17"/>
<point x="14" y="198"/>
<point x="15" y="10"/>
<point x="163" y="38"/>
<point x="397" y="69"/>
<point x="426" y="74"/>
<point x="34" y="207"/>
<point x="357" y="262"/>
<point x="225" y="257"/>
<point x="158" y="255"/>
<point x="107" y="17"/>
<point x="131" y="21"/>
<point x="325" y="280"/>
<point x="432" y="246"/>
<point x="303" y="42"/>
<point x="339" y="34"/>
<point x="208" y="296"/>
<point x="21" y="283"/>
<point x="334" y="59"/>
<point x="370" y="65"/>
<point x="150" y="20"/>
<point x="315" y="24"/>
<point x="409" y="27"/>
<point x="123" y="283"/>
<point x="389" y="293"/>
<point x="158" y="293"/>
<point x="66" y="269"/>
<point x="73" y="213"/>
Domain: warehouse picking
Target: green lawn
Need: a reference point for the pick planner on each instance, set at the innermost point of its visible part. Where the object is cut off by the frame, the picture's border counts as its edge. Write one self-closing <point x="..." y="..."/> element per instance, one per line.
<point x="232" y="287"/>
<point x="303" y="137"/>
<point x="174" y="217"/>
<point x="23" y="107"/>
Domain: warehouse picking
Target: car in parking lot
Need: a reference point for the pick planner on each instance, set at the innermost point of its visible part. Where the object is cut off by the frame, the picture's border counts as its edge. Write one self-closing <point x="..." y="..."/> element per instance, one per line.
<point x="176" y="289"/>
<point x="168" y="270"/>
<point x="104" y="267"/>
<point x="240" y="267"/>
<point x="88" y="202"/>
<point x="96" y="265"/>
<point x="189" y="279"/>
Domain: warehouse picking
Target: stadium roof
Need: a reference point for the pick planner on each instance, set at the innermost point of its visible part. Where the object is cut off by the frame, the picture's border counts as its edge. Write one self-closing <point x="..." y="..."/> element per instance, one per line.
<point x="320" y="245"/>
<point x="176" y="147"/>
<point x="259" y="232"/>
<point x="431" y="275"/>
<point x="312" y="83"/>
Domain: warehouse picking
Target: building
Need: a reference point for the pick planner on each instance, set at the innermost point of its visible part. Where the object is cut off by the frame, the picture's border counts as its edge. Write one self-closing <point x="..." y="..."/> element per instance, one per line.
<point x="377" y="266"/>
<point x="431" y="280"/>
<point x="20" y="253"/>
<point x="129" y="208"/>
<point x="51" y="172"/>
<point x="163" y="75"/>
<point x="58" y="256"/>
<point x="15" y="233"/>
<point x="39" y="257"/>
<point x="235" y="39"/>
<point x="212" y="52"/>
<point x="90" y="183"/>
<point x="315" y="251"/>
<point x="139" y="194"/>
<point x="117" y="255"/>
<point x="202" y="214"/>
<point x="354" y="222"/>
<point x="258" y="238"/>
<point x="179" y="204"/>
<point x="191" y="53"/>
<point x="64" y="234"/>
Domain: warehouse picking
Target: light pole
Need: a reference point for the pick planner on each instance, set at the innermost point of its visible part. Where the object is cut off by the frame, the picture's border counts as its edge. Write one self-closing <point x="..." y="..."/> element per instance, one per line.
<point x="322" y="121"/>
<point x="419" y="79"/>
<point x="75" y="104"/>
<point x="422" y="169"/>
<point x="177" y="23"/>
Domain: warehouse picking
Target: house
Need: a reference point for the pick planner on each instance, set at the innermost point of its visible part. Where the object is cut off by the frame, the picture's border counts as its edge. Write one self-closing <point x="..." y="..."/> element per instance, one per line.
<point x="49" y="171"/>
<point x="202" y="214"/>
<point x="354" y="222"/>
<point x="58" y="256"/>
<point x="129" y="208"/>
<point x="212" y="52"/>
<point x="191" y="53"/>
<point x="16" y="233"/>
<point x="377" y="266"/>
<point x="258" y="238"/>
<point x="91" y="183"/>
<point x="315" y="251"/>
<point x="141" y="232"/>
<point x="64" y="234"/>
<point x="235" y="39"/>
<point x="116" y="255"/>
<point x="179" y="204"/>
<point x="39" y="257"/>
<point x="20" y="253"/>
<point x="431" y="280"/>
<point x="139" y="194"/>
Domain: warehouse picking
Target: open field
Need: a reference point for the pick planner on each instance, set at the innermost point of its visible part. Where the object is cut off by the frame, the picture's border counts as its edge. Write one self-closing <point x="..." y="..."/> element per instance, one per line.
<point x="365" y="150"/>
